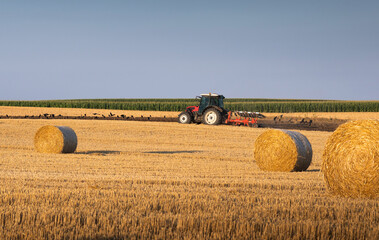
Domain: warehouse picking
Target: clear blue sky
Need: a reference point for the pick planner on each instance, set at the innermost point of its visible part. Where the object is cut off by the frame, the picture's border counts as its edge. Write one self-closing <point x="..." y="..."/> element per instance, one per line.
<point x="179" y="49"/>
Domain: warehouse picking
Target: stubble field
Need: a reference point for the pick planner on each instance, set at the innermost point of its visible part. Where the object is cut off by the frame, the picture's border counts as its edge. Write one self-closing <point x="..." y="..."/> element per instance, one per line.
<point x="166" y="180"/>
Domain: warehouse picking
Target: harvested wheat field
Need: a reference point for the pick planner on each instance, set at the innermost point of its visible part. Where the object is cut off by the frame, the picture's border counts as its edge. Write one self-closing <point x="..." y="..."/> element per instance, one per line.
<point x="156" y="180"/>
<point x="35" y="111"/>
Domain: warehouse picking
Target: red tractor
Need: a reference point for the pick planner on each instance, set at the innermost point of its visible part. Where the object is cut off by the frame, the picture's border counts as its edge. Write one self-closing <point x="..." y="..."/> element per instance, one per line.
<point x="211" y="111"/>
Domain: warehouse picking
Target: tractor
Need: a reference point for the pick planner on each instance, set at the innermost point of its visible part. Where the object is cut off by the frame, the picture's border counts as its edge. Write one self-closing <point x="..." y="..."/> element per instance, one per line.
<point x="211" y="111"/>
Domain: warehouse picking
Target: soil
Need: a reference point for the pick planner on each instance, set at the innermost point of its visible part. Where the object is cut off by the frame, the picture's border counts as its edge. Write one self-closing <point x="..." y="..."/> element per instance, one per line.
<point x="311" y="124"/>
<point x="314" y="124"/>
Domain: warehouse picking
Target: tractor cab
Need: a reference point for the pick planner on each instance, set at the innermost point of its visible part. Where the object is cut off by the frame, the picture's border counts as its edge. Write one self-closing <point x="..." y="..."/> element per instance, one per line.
<point x="210" y="99"/>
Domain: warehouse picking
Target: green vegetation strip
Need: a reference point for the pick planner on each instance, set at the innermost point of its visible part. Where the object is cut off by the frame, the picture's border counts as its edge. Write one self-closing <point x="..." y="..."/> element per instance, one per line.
<point x="248" y="104"/>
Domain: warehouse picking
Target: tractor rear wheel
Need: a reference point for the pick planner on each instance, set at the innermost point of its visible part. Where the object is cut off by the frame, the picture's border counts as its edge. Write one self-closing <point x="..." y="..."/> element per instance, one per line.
<point x="212" y="117"/>
<point x="185" y="118"/>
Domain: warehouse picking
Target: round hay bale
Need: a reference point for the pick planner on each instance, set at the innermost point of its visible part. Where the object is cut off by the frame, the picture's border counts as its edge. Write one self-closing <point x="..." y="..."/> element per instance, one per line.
<point x="351" y="159"/>
<point x="282" y="151"/>
<point x="55" y="139"/>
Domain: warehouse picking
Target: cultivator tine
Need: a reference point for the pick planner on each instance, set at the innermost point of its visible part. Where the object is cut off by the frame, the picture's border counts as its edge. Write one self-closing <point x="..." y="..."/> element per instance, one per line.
<point x="260" y="115"/>
<point x="248" y="114"/>
<point x="243" y="114"/>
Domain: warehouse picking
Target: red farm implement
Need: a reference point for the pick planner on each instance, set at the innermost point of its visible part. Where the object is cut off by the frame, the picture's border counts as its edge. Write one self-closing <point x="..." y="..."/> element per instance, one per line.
<point x="248" y="119"/>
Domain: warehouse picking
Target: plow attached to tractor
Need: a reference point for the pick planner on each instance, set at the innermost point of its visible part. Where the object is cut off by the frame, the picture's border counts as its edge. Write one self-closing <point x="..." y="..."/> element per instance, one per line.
<point x="211" y="111"/>
<point x="249" y="119"/>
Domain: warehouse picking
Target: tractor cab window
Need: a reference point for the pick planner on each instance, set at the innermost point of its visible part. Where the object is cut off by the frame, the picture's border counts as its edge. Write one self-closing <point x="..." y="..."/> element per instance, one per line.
<point x="214" y="101"/>
<point x="221" y="102"/>
<point x="204" y="101"/>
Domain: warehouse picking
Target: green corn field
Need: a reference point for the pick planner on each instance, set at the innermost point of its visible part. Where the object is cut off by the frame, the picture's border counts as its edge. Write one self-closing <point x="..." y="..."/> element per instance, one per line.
<point x="247" y="104"/>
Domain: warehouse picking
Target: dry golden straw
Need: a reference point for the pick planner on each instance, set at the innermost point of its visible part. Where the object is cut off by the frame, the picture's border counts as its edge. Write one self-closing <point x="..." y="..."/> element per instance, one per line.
<point x="351" y="159"/>
<point x="55" y="139"/>
<point x="282" y="151"/>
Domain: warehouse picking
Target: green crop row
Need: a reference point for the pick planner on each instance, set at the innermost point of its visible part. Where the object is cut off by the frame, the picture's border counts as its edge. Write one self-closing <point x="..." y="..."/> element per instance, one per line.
<point x="186" y="100"/>
<point x="275" y="105"/>
<point x="285" y="107"/>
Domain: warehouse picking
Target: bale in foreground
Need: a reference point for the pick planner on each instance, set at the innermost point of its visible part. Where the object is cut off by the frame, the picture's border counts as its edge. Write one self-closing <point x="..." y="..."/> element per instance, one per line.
<point x="55" y="139"/>
<point x="351" y="159"/>
<point x="282" y="151"/>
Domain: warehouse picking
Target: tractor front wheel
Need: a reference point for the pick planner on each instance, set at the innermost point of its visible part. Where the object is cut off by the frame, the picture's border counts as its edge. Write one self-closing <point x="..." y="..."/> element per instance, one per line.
<point x="185" y="118"/>
<point x="212" y="117"/>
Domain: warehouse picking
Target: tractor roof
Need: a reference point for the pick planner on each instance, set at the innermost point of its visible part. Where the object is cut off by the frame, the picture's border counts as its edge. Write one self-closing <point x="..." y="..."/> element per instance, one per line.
<point x="210" y="94"/>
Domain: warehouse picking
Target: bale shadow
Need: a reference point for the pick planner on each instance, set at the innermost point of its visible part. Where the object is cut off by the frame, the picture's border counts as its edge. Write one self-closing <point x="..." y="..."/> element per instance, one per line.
<point x="101" y="153"/>
<point x="172" y="152"/>
<point x="313" y="170"/>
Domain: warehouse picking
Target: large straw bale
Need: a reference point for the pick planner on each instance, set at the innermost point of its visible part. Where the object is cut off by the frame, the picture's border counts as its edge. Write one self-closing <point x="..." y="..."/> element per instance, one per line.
<point x="282" y="151"/>
<point x="351" y="159"/>
<point x="55" y="139"/>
